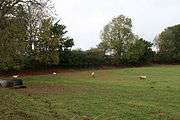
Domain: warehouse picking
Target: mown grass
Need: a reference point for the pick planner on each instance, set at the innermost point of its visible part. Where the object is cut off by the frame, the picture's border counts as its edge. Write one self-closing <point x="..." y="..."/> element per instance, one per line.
<point x="116" y="94"/>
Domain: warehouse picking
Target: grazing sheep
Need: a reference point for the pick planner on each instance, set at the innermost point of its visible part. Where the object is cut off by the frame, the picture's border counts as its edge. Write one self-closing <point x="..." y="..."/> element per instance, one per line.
<point x="54" y="73"/>
<point x="93" y="75"/>
<point x="142" y="77"/>
<point x="15" y="76"/>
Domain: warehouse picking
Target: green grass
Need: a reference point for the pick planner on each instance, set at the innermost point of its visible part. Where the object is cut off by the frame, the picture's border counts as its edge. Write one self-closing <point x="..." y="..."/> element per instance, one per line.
<point x="116" y="94"/>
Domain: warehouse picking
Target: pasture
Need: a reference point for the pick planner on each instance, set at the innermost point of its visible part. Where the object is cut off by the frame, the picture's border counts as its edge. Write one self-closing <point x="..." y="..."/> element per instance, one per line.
<point x="114" y="94"/>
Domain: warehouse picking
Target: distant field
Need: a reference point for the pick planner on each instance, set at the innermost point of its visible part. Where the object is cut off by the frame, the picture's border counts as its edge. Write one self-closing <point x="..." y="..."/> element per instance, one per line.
<point x="116" y="94"/>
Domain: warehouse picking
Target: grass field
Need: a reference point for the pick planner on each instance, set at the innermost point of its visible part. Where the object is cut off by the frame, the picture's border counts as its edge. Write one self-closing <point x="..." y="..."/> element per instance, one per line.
<point x="116" y="94"/>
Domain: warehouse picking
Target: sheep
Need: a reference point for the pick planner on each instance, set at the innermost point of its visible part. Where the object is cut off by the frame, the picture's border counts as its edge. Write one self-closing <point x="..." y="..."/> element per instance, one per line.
<point x="54" y="73"/>
<point x="93" y="75"/>
<point x="142" y="77"/>
<point x="15" y="76"/>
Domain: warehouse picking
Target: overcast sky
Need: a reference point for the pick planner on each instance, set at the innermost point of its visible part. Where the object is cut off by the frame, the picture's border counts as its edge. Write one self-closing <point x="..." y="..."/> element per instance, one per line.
<point x="86" y="18"/>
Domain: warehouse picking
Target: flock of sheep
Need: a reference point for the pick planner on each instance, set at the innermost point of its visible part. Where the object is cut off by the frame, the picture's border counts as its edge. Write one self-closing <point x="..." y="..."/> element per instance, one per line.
<point x="92" y="74"/>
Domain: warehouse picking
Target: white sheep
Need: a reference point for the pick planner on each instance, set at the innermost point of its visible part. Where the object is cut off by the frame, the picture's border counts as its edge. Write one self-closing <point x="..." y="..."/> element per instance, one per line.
<point x="15" y="76"/>
<point x="142" y="77"/>
<point x="54" y="73"/>
<point x="93" y="74"/>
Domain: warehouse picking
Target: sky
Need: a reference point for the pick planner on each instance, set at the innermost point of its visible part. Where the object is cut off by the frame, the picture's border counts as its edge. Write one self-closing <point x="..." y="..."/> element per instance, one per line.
<point x="85" y="19"/>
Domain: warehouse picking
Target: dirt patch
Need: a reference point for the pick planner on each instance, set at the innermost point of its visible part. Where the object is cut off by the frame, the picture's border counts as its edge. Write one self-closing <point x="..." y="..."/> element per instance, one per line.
<point x="41" y="89"/>
<point x="45" y="89"/>
<point x="23" y="115"/>
<point x="45" y="72"/>
<point x="34" y="72"/>
<point x="161" y="114"/>
<point x="176" y="116"/>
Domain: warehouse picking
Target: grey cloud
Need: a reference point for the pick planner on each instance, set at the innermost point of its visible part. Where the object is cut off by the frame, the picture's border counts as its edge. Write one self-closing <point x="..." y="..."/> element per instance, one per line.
<point x="86" y="18"/>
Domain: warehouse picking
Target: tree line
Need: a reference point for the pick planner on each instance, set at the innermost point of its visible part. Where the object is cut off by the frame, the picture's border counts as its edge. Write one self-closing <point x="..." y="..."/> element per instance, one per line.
<point x="32" y="38"/>
<point x="121" y="47"/>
